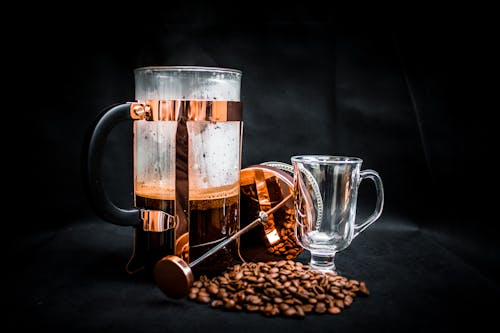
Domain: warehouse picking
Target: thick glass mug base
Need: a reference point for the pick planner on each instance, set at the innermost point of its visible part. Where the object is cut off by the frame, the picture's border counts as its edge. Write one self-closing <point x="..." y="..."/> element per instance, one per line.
<point x="322" y="262"/>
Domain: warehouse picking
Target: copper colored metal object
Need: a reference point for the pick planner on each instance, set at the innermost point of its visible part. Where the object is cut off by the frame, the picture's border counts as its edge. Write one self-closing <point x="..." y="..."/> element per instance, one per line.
<point x="262" y="187"/>
<point x="169" y="110"/>
<point x="157" y="220"/>
<point x="173" y="276"/>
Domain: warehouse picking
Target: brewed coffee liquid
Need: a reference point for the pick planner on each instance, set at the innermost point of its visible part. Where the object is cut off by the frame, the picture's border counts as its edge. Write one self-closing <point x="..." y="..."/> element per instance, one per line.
<point x="149" y="247"/>
<point x="212" y="220"/>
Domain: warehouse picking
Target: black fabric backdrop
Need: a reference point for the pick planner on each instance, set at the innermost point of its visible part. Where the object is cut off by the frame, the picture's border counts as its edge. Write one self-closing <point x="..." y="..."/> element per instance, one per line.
<point x="404" y="91"/>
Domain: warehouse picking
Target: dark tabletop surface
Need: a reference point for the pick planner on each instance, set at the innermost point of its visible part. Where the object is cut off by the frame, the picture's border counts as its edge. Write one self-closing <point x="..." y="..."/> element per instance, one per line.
<point x="73" y="279"/>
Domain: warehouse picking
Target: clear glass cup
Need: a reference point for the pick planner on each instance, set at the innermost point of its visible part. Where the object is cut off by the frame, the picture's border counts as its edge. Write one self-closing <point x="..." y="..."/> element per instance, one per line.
<point x="325" y="199"/>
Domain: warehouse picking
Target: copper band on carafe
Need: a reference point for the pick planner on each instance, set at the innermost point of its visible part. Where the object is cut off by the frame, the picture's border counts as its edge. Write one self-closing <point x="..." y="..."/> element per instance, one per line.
<point x="195" y="110"/>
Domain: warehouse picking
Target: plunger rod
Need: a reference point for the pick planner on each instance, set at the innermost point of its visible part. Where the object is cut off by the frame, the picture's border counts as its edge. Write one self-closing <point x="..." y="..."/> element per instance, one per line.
<point x="262" y="219"/>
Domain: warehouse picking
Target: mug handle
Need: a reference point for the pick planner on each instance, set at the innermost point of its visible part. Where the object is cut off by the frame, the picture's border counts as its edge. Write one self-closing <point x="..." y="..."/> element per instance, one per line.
<point x="93" y="149"/>
<point x="379" y="188"/>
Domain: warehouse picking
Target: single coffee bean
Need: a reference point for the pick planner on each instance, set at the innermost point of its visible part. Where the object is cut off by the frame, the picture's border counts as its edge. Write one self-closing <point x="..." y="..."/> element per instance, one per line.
<point x="217" y="303"/>
<point x="307" y="308"/>
<point x="334" y="310"/>
<point x="320" y="308"/>
<point x="203" y="299"/>
<point x="252" y="308"/>
<point x="283" y="307"/>
<point x="213" y="289"/>
<point x="229" y="304"/>
<point x="363" y="289"/>
<point x="290" y="312"/>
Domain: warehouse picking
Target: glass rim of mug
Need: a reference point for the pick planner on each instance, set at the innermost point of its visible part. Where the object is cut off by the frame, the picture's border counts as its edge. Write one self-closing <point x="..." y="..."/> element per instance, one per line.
<point x="326" y="159"/>
<point x="189" y="69"/>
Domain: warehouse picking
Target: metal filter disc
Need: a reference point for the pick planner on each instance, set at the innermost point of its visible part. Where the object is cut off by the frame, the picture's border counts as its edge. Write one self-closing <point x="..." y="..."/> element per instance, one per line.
<point x="261" y="188"/>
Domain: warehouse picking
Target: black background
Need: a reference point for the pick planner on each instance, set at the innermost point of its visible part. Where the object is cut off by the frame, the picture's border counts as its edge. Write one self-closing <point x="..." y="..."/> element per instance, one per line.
<point x="404" y="89"/>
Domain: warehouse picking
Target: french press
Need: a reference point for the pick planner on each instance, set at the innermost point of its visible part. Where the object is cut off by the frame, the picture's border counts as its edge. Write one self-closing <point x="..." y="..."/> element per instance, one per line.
<point x="187" y="128"/>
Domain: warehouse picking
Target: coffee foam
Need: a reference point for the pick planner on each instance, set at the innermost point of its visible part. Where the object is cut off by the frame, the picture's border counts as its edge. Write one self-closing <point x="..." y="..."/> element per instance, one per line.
<point x="153" y="191"/>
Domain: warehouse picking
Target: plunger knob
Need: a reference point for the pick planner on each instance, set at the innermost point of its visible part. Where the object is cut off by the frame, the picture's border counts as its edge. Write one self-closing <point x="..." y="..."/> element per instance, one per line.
<point x="173" y="276"/>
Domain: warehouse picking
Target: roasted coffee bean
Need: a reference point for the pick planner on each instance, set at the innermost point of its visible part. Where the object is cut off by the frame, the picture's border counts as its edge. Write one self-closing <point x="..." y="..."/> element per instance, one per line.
<point x="203" y="299"/>
<point x="229" y="304"/>
<point x="283" y="307"/>
<point x="308" y="308"/>
<point x="217" y="303"/>
<point x="252" y="308"/>
<point x="213" y="289"/>
<point x="320" y="308"/>
<point x="363" y="289"/>
<point x="334" y="310"/>
<point x="280" y="287"/>
<point x="254" y="300"/>
<point x="290" y="312"/>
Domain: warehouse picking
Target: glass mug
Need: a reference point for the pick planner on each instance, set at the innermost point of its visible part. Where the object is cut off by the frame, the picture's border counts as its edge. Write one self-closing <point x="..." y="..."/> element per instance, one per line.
<point x="187" y="128"/>
<point x="325" y="197"/>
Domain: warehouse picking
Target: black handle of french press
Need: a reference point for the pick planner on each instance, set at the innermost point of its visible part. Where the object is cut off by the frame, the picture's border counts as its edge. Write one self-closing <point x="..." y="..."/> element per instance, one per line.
<point x="92" y="155"/>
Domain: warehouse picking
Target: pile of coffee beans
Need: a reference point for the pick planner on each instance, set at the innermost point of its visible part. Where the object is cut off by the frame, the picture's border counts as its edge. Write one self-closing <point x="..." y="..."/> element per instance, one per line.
<point x="274" y="288"/>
